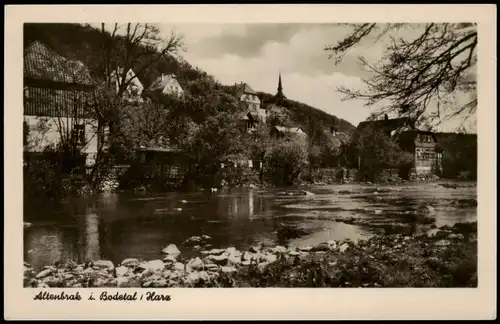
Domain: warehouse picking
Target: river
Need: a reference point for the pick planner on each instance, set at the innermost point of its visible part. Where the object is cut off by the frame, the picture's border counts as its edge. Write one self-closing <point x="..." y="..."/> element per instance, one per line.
<point x="125" y="225"/>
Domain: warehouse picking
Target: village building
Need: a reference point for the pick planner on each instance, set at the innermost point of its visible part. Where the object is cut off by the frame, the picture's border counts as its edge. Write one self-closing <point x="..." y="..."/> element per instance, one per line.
<point x="425" y="148"/>
<point x="335" y="137"/>
<point x="250" y="104"/>
<point x="60" y="106"/>
<point x="423" y="145"/>
<point x="133" y="88"/>
<point x="167" y="84"/>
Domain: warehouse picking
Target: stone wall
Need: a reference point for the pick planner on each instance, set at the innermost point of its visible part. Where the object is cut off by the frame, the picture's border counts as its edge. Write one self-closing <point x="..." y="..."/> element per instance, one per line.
<point x="334" y="175"/>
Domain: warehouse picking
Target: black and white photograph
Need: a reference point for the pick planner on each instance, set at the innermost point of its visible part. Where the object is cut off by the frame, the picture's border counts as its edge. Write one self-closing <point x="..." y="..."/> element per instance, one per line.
<point x="250" y="155"/>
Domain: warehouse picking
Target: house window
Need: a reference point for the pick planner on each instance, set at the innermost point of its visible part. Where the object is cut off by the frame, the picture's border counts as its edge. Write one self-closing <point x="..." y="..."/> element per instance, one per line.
<point x="78" y="135"/>
<point x="26" y="131"/>
<point x="26" y="93"/>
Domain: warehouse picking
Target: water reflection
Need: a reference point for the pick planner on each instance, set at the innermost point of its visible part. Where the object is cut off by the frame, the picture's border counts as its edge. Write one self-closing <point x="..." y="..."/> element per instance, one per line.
<point x="117" y="226"/>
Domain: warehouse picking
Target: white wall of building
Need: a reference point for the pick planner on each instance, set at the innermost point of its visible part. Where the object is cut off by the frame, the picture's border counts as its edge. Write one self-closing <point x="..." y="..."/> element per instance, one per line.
<point x="46" y="131"/>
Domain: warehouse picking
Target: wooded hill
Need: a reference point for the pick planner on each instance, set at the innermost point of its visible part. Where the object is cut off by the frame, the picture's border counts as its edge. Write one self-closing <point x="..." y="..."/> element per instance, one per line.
<point x="85" y="43"/>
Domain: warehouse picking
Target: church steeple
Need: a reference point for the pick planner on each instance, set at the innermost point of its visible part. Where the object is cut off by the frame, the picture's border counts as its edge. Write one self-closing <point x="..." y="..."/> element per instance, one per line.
<point x="279" y="95"/>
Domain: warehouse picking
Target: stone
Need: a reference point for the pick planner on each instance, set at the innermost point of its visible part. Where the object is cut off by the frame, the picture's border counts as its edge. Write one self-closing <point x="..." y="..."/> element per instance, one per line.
<point x="263" y="265"/>
<point x="193" y="240"/>
<point x="104" y="264"/>
<point x="153" y="265"/>
<point x="234" y="260"/>
<point x="206" y="237"/>
<point x="279" y="249"/>
<point x="170" y="259"/>
<point x="268" y="258"/>
<point x="305" y="248"/>
<point x="197" y="247"/>
<point x="43" y="273"/>
<point x="246" y="263"/>
<point x="147" y="284"/>
<point x="321" y="247"/>
<point x="246" y="256"/>
<point x="179" y="266"/>
<point x="307" y="193"/>
<point x="232" y="251"/>
<point x="430" y="209"/>
<point x="294" y="253"/>
<point x="171" y="249"/>
<point x="218" y="259"/>
<point x="228" y="269"/>
<point x="213" y="252"/>
<point x="442" y="243"/>
<point x="121" y="271"/>
<point x="455" y="236"/>
<point x="159" y="283"/>
<point x="432" y="232"/>
<point x="343" y="247"/>
<point x="194" y="264"/>
<point x="211" y="267"/>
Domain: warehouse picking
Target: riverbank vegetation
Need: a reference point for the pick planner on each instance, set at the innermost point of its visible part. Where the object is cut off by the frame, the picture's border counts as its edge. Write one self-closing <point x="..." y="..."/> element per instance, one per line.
<point x="440" y="257"/>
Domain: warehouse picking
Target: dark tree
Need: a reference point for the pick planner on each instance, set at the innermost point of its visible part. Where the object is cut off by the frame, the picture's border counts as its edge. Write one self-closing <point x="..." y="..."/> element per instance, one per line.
<point x="433" y="66"/>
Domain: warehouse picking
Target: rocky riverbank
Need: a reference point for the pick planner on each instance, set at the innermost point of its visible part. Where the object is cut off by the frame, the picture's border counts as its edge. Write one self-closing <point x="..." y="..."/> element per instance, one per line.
<point x="440" y="257"/>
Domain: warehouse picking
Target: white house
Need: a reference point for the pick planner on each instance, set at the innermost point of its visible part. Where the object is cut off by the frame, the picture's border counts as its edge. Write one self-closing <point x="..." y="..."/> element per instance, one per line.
<point x="134" y="87"/>
<point x="59" y="103"/>
<point x="250" y="101"/>
<point x="167" y="84"/>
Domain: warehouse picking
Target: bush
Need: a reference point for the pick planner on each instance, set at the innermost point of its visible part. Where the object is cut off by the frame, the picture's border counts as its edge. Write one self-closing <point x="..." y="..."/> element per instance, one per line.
<point x="285" y="162"/>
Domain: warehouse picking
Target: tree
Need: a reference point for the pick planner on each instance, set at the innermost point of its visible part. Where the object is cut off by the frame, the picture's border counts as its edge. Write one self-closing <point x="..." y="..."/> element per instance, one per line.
<point x="375" y="151"/>
<point x="212" y="142"/>
<point x="412" y="74"/>
<point x="286" y="160"/>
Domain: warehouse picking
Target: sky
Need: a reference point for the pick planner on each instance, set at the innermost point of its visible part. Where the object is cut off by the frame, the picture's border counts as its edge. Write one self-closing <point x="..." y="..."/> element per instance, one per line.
<point x="256" y="53"/>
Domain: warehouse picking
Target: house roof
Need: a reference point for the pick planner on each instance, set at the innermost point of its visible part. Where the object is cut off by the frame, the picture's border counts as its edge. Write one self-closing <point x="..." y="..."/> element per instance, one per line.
<point x="162" y="81"/>
<point x="44" y="64"/>
<point x="337" y="139"/>
<point x="283" y="129"/>
<point x="250" y="115"/>
<point x="245" y="88"/>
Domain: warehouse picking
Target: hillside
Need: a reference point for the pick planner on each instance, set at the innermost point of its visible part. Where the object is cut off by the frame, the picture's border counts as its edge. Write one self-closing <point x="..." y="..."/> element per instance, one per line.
<point x="85" y="43"/>
<point x="303" y="114"/>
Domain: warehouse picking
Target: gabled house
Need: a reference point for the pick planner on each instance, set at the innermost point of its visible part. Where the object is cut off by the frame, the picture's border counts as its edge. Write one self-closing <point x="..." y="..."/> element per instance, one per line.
<point x="167" y="84"/>
<point x="425" y="148"/>
<point x="336" y="138"/>
<point x="60" y="106"/>
<point x="250" y="104"/>
<point x="282" y="131"/>
<point x="134" y="87"/>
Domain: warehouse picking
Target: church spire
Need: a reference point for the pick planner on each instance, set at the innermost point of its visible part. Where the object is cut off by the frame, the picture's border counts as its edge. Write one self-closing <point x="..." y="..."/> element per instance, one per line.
<point x="279" y="94"/>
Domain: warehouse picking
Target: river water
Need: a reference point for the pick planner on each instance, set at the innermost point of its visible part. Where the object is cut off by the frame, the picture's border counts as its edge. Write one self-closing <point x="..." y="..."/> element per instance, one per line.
<point x="124" y="225"/>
